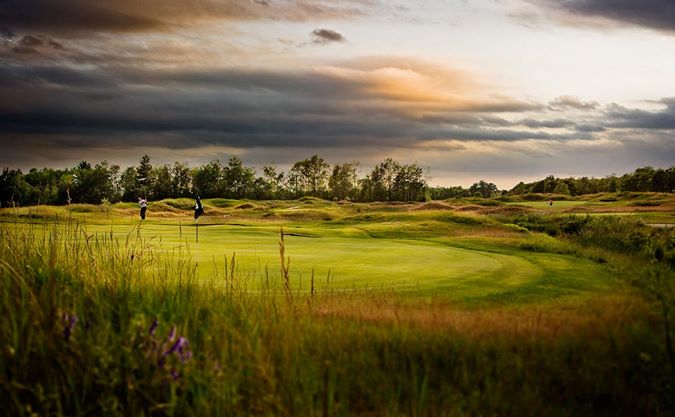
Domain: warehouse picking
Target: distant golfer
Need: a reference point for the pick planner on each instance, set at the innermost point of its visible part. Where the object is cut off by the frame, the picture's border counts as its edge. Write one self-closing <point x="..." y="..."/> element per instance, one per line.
<point x="199" y="209"/>
<point x="144" y="206"/>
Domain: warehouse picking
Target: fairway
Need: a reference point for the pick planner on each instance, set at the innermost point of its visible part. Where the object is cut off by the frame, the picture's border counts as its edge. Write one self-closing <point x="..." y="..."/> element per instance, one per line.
<point x="348" y="258"/>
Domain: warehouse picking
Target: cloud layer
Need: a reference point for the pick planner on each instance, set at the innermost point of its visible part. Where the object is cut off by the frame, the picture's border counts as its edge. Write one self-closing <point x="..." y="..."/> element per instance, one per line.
<point x="326" y="36"/>
<point x="652" y="14"/>
<point x="119" y="16"/>
<point x="259" y="78"/>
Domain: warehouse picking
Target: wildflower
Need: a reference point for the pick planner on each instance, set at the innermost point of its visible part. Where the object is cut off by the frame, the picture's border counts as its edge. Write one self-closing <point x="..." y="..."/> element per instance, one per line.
<point x="178" y="346"/>
<point x="153" y="327"/>
<point x="172" y="334"/>
<point x="70" y="321"/>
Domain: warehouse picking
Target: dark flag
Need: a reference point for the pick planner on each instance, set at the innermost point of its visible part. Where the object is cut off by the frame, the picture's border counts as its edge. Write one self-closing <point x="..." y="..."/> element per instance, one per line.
<point x="199" y="210"/>
<point x="144" y="206"/>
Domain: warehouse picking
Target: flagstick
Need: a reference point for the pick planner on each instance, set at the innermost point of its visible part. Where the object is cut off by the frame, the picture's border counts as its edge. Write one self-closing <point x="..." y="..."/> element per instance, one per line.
<point x="197" y="240"/>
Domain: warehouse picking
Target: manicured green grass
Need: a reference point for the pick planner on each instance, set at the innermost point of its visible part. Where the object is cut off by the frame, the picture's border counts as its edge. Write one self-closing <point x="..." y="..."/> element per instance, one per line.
<point x="344" y="257"/>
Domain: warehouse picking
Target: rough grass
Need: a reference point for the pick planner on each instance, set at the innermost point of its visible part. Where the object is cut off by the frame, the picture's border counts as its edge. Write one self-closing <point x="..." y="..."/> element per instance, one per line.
<point x="503" y="321"/>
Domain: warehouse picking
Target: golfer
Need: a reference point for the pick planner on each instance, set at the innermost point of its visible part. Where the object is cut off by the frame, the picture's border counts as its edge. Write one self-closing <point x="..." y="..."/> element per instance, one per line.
<point x="144" y="206"/>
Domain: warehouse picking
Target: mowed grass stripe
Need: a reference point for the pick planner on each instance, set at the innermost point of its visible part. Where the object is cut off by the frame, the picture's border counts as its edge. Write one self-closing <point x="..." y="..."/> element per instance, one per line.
<point x="354" y="261"/>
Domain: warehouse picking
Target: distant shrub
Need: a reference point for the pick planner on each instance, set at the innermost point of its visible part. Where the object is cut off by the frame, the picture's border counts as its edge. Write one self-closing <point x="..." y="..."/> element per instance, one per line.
<point x="552" y="225"/>
<point x="623" y="234"/>
<point x="163" y="207"/>
<point x="471" y="220"/>
<point x="84" y="208"/>
<point x="311" y="200"/>
<point x="489" y="203"/>
<point x="222" y="202"/>
<point x="545" y="243"/>
<point x="533" y="197"/>
<point x="180" y="203"/>
<point x="515" y="228"/>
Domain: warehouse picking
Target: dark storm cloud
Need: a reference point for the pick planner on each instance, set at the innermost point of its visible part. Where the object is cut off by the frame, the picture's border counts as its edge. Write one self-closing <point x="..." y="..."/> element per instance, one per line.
<point x="130" y="108"/>
<point x="5" y="33"/>
<point x="81" y="16"/>
<point x="623" y="117"/>
<point x="536" y="123"/>
<point x="75" y="16"/>
<point x="589" y="128"/>
<point x="30" y="41"/>
<point x="323" y="36"/>
<point x="571" y="102"/>
<point x="84" y="108"/>
<point x="652" y="14"/>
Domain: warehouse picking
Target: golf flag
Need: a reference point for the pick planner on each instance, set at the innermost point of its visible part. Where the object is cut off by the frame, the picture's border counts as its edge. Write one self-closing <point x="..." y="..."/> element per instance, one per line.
<point x="199" y="210"/>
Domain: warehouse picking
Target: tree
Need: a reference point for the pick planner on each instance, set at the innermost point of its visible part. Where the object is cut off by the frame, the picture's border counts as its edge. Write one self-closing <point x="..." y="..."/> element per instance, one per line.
<point x="206" y="180"/>
<point x="162" y="186"/>
<point x="383" y="176"/>
<point x="520" y="188"/>
<point x="409" y="183"/>
<point x="613" y="184"/>
<point x="273" y="182"/>
<point x="13" y="188"/>
<point x="366" y="189"/>
<point x="643" y="178"/>
<point x="181" y="180"/>
<point x="539" y="187"/>
<point x="483" y="189"/>
<point x="92" y="185"/>
<point x="44" y="184"/>
<point x="660" y="181"/>
<point x="310" y="176"/>
<point x="441" y="193"/>
<point x="238" y="178"/>
<point x="562" y="188"/>
<point x="129" y="185"/>
<point x="144" y="175"/>
<point x="342" y="182"/>
<point x="550" y="183"/>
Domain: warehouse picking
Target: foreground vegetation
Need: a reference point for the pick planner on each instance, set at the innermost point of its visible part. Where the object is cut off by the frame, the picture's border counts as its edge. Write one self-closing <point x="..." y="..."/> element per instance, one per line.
<point x="103" y="316"/>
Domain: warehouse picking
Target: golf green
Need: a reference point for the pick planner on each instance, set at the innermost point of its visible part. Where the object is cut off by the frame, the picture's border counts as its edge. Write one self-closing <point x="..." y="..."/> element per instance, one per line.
<point x="345" y="258"/>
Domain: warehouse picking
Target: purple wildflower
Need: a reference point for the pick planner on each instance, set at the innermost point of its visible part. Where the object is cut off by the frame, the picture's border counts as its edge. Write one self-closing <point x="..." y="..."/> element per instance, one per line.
<point x="70" y="321"/>
<point x="153" y="327"/>
<point x="177" y="347"/>
<point x="172" y="334"/>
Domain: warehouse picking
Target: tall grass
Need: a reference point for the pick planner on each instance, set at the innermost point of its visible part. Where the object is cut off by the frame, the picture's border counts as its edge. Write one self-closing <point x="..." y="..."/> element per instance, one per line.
<point x="94" y="325"/>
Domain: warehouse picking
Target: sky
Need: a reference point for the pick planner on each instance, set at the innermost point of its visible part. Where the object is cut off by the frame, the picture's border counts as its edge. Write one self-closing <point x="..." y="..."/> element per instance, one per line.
<point x="499" y="90"/>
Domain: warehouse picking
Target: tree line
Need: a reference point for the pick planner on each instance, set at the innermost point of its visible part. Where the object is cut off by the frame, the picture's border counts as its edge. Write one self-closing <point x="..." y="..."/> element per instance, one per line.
<point x="389" y="180"/>
<point x="86" y="183"/>
<point x="645" y="179"/>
